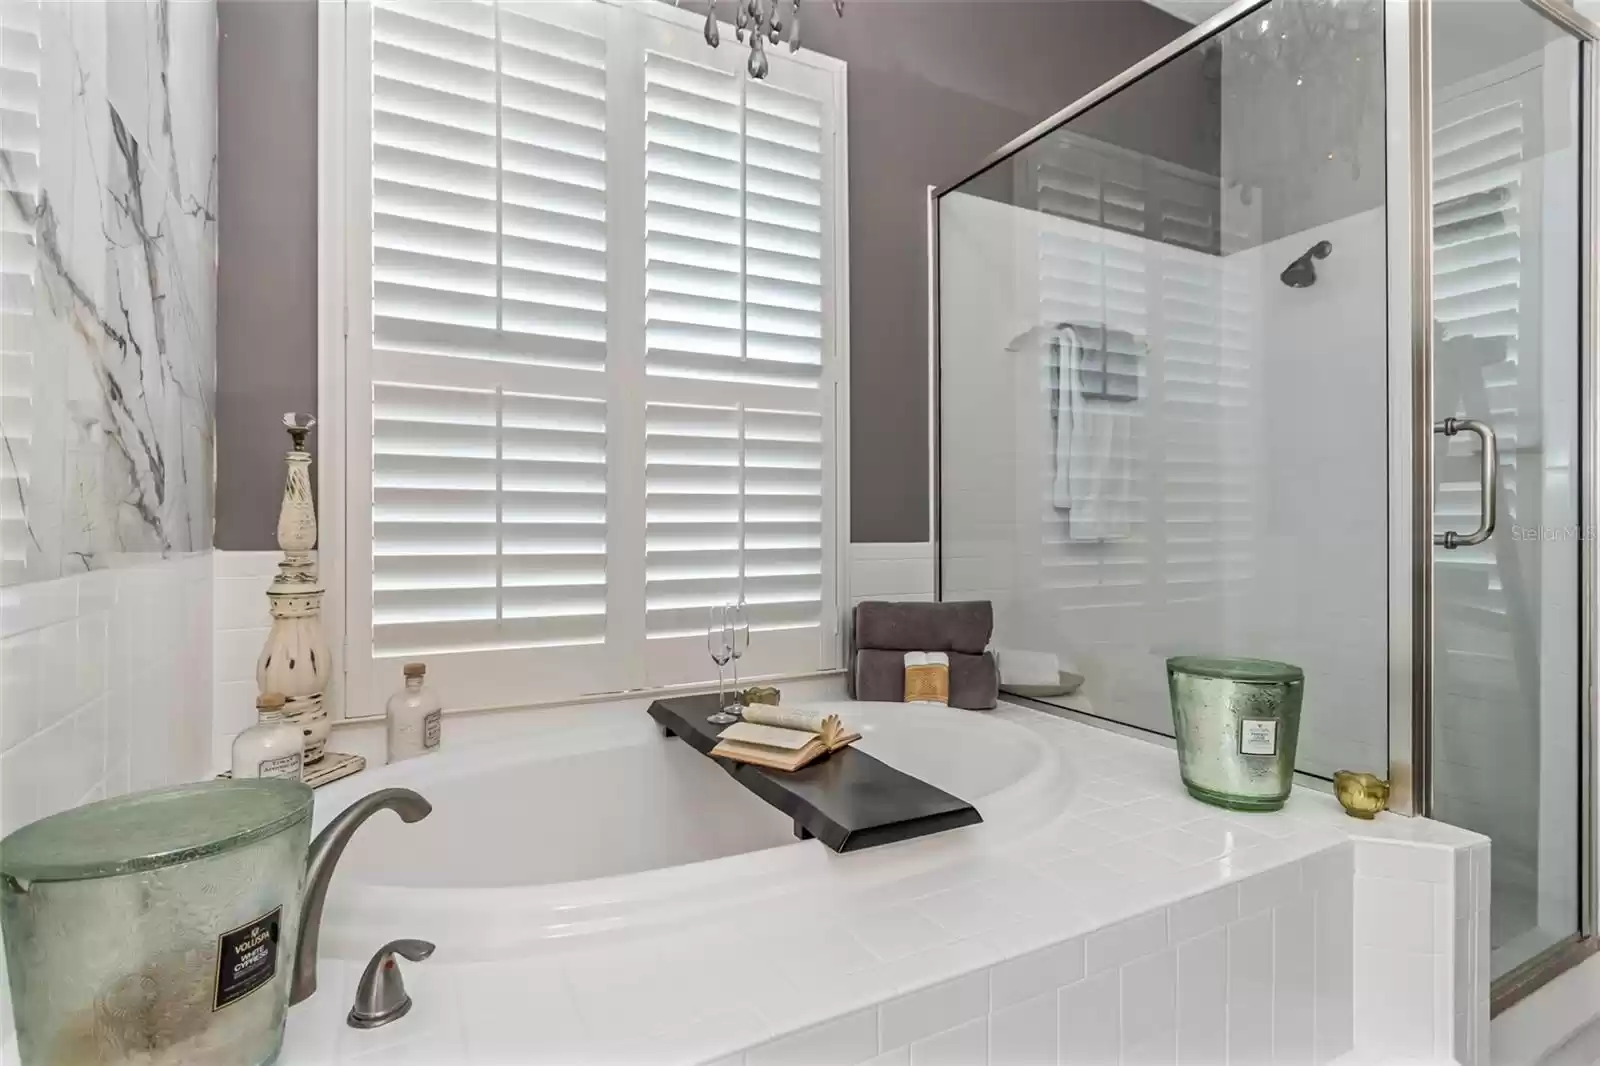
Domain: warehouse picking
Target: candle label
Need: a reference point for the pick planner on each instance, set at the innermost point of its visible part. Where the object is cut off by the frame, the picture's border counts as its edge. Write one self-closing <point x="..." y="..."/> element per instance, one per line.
<point x="247" y="958"/>
<point x="1258" y="736"/>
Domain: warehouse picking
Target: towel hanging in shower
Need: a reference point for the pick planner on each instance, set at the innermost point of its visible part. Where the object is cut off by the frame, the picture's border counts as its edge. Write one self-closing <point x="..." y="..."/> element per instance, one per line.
<point x="1093" y="480"/>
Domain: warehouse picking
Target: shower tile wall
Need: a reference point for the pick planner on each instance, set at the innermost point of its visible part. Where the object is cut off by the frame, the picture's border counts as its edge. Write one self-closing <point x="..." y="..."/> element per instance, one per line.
<point x="107" y="313"/>
<point x="1255" y="529"/>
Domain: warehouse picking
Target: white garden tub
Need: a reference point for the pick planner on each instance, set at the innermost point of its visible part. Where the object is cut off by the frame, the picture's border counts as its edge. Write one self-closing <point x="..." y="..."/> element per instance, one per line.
<point x="605" y="827"/>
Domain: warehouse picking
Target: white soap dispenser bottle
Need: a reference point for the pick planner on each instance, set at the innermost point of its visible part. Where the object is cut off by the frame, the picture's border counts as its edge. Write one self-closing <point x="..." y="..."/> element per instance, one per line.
<point x="413" y="717"/>
<point x="272" y="747"/>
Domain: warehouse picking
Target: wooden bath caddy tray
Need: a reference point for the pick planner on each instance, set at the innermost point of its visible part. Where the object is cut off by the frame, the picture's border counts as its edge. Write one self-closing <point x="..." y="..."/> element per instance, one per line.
<point x="848" y="800"/>
<point x="333" y="766"/>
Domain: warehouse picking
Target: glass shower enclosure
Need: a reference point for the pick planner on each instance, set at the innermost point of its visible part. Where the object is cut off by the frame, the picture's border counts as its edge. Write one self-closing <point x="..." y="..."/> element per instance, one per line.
<point x="1281" y="344"/>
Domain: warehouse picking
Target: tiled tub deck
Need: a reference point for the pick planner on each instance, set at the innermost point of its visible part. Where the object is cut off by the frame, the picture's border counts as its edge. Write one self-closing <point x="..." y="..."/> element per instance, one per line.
<point x="1138" y="926"/>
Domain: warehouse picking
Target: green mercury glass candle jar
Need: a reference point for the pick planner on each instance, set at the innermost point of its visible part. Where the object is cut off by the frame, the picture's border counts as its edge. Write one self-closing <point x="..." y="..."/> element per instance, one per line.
<point x="156" y="928"/>
<point x="1237" y="722"/>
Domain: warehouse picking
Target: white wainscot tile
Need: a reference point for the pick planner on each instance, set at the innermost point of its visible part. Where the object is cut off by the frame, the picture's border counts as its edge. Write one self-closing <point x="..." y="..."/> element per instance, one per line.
<point x="1394" y="1007"/>
<point x="1038" y="972"/>
<point x="1125" y="941"/>
<point x="841" y="1042"/>
<point x="241" y="603"/>
<point x="1024" y="1034"/>
<point x="965" y="1045"/>
<point x="1203" y="998"/>
<point x="37" y="604"/>
<point x="1332" y="866"/>
<point x="236" y="653"/>
<point x="234" y="709"/>
<point x="1404" y="862"/>
<point x="221" y="753"/>
<point x="1391" y="913"/>
<point x="92" y="665"/>
<point x="20" y="681"/>
<point x="1269" y="888"/>
<point x="1089" y="1032"/>
<point x="1200" y="914"/>
<point x="900" y="1056"/>
<point x="1293" y="981"/>
<point x="56" y="768"/>
<point x="58" y="665"/>
<point x="1480" y="878"/>
<point x="932" y="1010"/>
<point x="1250" y="989"/>
<point x="19" y="786"/>
<point x="1160" y="1050"/>
<point x="1335" y="971"/>
<point x="1150" y="1000"/>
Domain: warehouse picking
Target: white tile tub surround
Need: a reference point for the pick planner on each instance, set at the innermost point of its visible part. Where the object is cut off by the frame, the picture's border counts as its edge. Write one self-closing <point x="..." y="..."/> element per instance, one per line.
<point x="242" y="621"/>
<point x="888" y="571"/>
<point x="106" y="685"/>
<point x="1138" y="927"/>
<point x="1422" y="914"/>
<point x="104" y="689"/>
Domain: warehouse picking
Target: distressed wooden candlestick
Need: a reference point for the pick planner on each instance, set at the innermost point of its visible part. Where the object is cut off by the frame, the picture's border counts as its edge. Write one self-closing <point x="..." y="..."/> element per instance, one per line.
<point x="295" y="660"/>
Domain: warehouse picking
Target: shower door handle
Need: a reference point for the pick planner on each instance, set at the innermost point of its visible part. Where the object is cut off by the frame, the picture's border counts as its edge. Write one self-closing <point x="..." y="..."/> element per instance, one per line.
<point x="1488" y="475"/>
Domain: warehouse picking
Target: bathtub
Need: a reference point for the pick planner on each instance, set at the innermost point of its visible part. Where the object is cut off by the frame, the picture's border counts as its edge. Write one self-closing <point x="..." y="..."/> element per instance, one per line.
<point x="600" y="827"/>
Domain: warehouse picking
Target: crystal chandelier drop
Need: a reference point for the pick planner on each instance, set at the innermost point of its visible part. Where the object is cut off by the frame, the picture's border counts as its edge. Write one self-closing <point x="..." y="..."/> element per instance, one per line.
<point x="766" y="23"/>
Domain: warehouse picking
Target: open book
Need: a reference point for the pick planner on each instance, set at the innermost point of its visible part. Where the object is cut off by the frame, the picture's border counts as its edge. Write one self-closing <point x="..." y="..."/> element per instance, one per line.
<point x="782" y="739"/>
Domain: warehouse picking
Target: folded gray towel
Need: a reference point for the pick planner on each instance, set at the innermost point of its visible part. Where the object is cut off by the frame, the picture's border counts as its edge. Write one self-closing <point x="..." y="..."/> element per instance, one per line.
<point x="963" y="626"/>
<point x="881" y="675"/>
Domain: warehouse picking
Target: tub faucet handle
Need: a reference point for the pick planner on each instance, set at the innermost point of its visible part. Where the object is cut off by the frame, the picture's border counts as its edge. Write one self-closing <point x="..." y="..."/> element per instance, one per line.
<point x="381" y="995"/>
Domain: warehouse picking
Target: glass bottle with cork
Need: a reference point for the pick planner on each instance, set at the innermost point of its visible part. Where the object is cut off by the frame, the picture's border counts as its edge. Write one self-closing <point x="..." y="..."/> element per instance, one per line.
<point x="414" y="715"/>
<point x="272" y="747"/>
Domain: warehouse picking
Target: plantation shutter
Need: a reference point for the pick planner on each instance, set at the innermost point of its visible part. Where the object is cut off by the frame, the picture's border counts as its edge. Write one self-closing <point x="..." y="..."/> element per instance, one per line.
<point x="738" y="405"/>
<point x="489" y="329"/>
<point x="560" y="479"/>
<point x="19" y="140"/>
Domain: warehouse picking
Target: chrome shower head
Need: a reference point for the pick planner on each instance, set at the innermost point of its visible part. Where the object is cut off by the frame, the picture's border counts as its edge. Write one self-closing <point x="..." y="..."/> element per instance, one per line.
<point x="1302" y="273"/>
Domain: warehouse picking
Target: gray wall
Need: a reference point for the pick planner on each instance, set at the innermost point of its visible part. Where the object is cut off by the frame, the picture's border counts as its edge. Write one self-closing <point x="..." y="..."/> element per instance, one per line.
<point x="266" y="254"/>
<point x="934" y="86"/>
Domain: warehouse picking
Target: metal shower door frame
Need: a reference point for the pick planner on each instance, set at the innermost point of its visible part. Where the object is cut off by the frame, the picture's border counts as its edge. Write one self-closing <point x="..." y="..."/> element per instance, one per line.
<point x="1408" y="48"/>
<point x="1411" y="713"/>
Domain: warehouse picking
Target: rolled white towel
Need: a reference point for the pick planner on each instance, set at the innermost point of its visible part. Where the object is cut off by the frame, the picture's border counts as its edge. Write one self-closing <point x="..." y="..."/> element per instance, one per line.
<point x="1036" y="668"/>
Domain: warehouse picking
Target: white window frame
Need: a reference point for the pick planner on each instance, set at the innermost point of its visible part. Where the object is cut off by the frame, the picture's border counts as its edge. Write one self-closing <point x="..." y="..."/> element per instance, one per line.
<point x="355" y="692"/>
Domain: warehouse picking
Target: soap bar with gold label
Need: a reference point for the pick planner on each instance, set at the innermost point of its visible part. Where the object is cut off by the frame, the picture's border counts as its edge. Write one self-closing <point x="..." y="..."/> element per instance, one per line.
<point x="927" y="677"/>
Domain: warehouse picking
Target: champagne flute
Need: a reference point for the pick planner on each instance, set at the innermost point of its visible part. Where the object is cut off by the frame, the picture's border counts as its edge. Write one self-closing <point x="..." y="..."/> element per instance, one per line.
<point x="739" y="638"/>
<point x="719" y="643"/>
